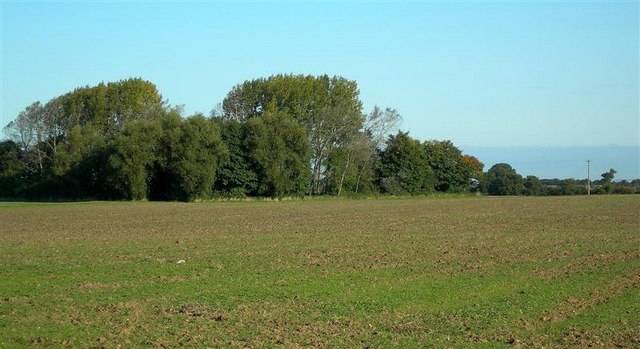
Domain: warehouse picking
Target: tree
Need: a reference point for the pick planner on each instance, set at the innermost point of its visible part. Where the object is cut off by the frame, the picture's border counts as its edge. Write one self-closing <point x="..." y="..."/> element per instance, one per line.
<point x="472" y="170"/>
<point x="328" y="108"/>
<point x="502" y="179"/>
<point x="445" y="160"/>
<point x="569" y="186"/>
<point x="280" y="148"/>
<point x="55" y="123"/>
<point x="607" y="181"/>
<point x="533" y="186"/>
<point x="189" y="153"/>
<point x="11" y="169"/>
<point x="404" y="167"/>
<point x="28" y="131"/>
<point x="351" y="167"/>
<point x="352" y="164"/>
<point x="135" y="157"/>
<point x="236" y="175"/>
<point x="110" y="106"/>
<point x="82" y="163"/>
<point x="380" y="123"/>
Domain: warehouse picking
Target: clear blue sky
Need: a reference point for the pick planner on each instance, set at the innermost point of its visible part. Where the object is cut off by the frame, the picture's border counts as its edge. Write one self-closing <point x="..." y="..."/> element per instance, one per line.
<point x="479" y="74"/>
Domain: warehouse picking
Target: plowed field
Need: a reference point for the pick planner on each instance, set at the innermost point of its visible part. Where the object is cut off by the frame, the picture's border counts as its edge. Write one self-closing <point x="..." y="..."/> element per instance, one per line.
<point x="461" y="272"/>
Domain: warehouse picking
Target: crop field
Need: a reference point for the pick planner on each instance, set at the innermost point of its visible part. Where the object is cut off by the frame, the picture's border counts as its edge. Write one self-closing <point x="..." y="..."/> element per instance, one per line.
<point x="434" y="272"/>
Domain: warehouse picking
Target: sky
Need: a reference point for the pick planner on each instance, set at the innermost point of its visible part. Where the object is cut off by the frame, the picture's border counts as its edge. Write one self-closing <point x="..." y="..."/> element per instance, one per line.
<point x="481" y="74"/>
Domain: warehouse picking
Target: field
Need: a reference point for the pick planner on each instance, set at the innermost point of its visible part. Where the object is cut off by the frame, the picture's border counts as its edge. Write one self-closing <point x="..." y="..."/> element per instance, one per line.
<point x="441" y="272"/>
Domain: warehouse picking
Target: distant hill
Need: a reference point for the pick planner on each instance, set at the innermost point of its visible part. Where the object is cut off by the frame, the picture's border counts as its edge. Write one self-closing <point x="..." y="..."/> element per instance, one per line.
<point x="563" y="162"/>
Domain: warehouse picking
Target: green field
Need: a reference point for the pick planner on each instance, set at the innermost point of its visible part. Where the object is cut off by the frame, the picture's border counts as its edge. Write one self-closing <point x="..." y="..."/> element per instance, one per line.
<point x="458" y="272"/>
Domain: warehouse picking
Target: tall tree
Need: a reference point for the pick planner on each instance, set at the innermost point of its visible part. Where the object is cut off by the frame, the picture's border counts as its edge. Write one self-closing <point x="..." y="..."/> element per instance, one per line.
<point x="110" y="106"/>
<point x="380" y="123"/>
<point x="28" y="131"/>
<point x="280" y="148"/>
<point x="328" y="108"/>
<point x="361" y="151"/>
<point x="351" y="166"/>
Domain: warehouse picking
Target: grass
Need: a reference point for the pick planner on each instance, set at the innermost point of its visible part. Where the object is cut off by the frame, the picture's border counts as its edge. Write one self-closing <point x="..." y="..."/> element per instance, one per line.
<point x="452" y="272"/>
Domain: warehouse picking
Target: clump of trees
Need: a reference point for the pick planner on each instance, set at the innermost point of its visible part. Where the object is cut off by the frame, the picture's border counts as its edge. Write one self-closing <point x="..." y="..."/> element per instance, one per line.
<point x="502" y="179"/>
<point x="285" y="135"/>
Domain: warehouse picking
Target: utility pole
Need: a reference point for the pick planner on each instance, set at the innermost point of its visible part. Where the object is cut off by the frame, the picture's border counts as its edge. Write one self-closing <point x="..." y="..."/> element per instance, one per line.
<point x="588" y="177"/>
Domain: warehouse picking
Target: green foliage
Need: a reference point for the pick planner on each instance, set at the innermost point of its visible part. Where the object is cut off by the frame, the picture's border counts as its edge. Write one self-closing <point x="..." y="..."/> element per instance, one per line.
<point x="276" y="136"/>
<point x="109" y="106"/>
<point x="445" y="160"/>
<point x="533" y="186"/>
<point x="190" y="151"/>
<point x="82" y="163"/>
<point x="404" y="167"/>
<point x="10" y="169"/>
<point x="341" y="172"/>
<point x="569" y="186"/>
<point x="236" y="174"/>
<point x="502" y="179"/>
<point x="279" y="146"/>
<point x="472" y="169"/>
<point x="328" y="108"/>
<point x="136" y="154"/>
<point x="607" y="181"/>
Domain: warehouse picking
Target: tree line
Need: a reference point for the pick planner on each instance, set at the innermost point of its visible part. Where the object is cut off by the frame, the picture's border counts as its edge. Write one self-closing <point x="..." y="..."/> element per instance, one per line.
<point x="502" y="179"/>
<point x="285" y="135"/>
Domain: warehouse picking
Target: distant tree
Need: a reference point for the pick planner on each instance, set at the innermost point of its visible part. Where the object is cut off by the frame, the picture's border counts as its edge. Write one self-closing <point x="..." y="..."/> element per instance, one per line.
<point x="236" y="174"/>
<point x="380" y="123"/>
<point x="445" y="159"/>
<point x="28" y="131"/>
<point x="189" y="153"/>
<point x="607" y="181"/>
<point x="569" y="186"/>
<point x="280" y="148"/>
<point x="328" y="108"/>
<point x="472" y="169"/>
<point x="404" y="167"/>
<point x="135" y="157"/>
<point x="351" y="168"/>
<point x="502" y="179"/>
<point x="55" y="125"/>
<point x="82" y="163"/>
<point x="11" y="169"/>
<point x="533" y="186"/>
<point x="353" y="164"/>
<point x="110" y="106"/>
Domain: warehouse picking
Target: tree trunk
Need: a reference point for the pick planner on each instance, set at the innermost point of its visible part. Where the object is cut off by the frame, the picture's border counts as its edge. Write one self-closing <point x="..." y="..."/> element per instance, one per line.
<point x="344" y="172"/>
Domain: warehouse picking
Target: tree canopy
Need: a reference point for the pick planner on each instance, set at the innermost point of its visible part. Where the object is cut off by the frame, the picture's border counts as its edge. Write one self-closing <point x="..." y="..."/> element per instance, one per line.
<point x="502" y="179"/>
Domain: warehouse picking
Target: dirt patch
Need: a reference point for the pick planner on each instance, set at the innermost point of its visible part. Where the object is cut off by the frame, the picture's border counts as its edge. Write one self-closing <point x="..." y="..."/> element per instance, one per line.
<point x="197" y="310"/>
